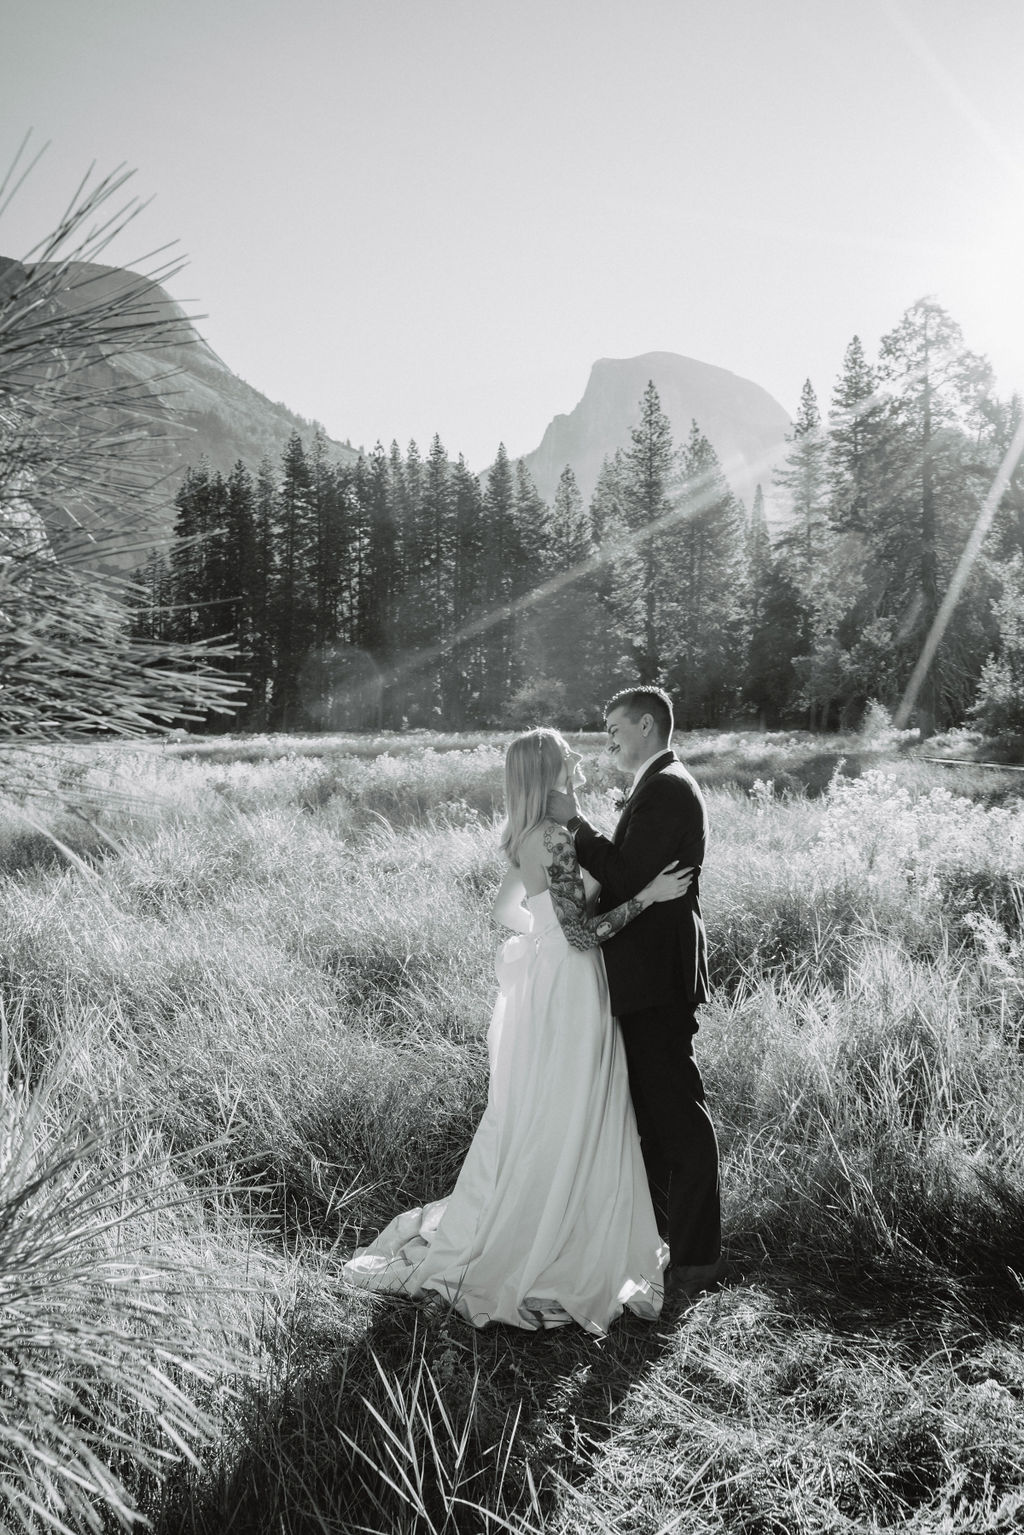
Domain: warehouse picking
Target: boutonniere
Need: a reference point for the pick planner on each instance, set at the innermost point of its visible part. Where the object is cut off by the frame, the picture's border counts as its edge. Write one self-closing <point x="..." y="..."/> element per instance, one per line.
<point x="621" y="799"/>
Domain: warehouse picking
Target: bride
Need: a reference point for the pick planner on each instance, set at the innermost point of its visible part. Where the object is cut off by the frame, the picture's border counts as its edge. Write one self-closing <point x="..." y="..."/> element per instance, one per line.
<point x="550" y="1220"/>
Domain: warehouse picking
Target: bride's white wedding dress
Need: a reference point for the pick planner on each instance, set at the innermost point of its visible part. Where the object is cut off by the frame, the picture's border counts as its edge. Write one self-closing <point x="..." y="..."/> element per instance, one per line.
<point x="550" y="1220"/>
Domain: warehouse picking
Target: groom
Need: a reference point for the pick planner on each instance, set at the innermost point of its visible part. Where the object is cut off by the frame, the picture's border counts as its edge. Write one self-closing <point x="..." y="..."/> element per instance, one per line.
<point x="657" y="975"/>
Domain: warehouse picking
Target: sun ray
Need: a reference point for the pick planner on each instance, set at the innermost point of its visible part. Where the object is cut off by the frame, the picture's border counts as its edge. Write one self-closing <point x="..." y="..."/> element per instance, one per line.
<point x="954" y="91"/>
<point x="614" y="549"/>
<point x="952" y="596"/>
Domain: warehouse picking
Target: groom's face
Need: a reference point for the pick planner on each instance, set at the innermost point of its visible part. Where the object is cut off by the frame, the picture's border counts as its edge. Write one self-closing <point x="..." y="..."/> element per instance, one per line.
<point x="630" y="741"/>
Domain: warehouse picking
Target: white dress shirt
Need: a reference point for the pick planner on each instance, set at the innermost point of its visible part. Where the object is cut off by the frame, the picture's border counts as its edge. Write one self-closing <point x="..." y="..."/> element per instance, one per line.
<point x="642" y="769"/>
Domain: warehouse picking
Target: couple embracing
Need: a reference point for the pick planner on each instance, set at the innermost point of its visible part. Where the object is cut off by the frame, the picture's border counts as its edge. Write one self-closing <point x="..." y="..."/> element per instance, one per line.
<point x="591" y="1184"/>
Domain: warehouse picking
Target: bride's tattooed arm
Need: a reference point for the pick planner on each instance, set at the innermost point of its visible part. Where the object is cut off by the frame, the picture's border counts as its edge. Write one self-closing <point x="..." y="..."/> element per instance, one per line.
<point x="568" y="898"/>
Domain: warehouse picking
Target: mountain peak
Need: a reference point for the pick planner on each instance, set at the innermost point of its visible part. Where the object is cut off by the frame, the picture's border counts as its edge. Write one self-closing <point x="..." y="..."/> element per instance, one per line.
<point x="744" y="423"/>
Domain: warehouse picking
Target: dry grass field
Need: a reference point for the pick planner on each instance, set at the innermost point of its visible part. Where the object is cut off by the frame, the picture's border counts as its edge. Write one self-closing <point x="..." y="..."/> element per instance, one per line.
<point x="244" y="992"/>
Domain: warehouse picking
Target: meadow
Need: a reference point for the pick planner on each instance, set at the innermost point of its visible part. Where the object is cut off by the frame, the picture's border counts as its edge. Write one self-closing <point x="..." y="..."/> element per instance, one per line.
<point x="245" y="986"/>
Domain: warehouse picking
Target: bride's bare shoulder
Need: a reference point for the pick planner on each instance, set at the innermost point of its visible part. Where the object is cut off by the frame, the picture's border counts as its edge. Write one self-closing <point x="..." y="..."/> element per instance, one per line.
<point x="543" y="839"/>
<point x="548" y="841"/>
<point x="532" y="845"/>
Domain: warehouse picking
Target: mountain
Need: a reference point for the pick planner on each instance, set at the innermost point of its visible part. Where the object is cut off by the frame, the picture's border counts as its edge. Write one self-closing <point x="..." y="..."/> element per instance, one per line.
<point x="189" y="401"/>
<point x="744" y="424"/>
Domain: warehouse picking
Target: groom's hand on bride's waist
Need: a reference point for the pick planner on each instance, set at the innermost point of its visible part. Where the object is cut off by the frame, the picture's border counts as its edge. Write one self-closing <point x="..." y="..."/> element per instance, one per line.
<point x="562" y="806"/>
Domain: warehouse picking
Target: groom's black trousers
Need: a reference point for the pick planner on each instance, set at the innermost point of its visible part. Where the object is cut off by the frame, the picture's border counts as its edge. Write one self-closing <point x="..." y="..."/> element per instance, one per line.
<point x="678" y="1139"/>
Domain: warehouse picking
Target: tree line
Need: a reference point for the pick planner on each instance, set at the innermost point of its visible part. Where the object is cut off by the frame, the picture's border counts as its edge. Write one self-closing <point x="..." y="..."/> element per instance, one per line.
<point x="403" y="589"/>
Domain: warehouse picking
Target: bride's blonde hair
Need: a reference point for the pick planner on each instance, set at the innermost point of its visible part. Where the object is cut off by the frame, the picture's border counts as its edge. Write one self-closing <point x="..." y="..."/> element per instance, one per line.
<point x="533" y="765"/>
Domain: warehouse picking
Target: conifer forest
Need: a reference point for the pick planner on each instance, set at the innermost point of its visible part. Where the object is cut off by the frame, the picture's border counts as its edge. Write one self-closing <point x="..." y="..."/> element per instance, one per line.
<point x="405" y="590"/>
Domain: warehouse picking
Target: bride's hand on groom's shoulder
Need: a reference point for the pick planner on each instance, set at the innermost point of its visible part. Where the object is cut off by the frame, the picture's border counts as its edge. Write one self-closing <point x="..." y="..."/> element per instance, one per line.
<point x="561" y="805"/>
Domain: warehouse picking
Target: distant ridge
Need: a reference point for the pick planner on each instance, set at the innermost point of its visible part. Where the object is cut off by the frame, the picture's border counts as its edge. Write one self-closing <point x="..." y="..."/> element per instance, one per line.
<point x="744" y="423"/>
<point x="195" y="407"/>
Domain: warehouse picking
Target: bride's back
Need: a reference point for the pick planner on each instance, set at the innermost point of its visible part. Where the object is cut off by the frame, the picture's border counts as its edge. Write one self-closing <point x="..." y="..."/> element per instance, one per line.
<point x="535" y="855"/>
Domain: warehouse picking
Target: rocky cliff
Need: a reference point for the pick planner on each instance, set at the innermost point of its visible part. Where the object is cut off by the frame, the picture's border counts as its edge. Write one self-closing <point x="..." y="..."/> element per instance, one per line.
<point x="745" y="425"/>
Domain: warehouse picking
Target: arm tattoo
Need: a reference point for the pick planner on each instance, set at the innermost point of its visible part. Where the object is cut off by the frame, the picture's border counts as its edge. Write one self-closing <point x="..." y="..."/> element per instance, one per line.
<point x="569" y="899"/>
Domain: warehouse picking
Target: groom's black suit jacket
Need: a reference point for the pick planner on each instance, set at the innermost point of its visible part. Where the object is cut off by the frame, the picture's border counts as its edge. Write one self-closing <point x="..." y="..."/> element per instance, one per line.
<point x="660" y="958"/>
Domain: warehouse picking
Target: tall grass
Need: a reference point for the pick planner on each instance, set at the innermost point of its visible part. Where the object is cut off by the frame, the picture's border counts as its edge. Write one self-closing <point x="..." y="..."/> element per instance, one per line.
<point x="269" y="976"/>
<point x="112" y="1346"/>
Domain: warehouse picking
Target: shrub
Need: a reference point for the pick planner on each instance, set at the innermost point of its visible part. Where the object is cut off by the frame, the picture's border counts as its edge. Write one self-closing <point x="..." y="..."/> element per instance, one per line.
<point x="999" y="706"/>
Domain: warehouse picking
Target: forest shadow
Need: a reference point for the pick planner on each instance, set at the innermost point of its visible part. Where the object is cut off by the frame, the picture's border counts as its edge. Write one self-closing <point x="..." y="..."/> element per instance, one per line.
<point x="415" y="1421"/>
<point x="419" y="1422"/>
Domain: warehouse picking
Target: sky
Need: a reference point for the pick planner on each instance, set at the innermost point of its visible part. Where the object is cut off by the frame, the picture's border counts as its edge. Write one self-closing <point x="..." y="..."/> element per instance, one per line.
<point x="404" y="217"/>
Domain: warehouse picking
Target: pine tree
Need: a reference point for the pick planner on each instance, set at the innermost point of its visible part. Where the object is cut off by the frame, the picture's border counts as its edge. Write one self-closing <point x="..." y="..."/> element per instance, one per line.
<point x="804" y="477"/>
<point x="261" y="596"/>
<point x="804" y="551"/>
<point x="1002" y="422"/>
<point x="608" y="501"/>
<point x="397" y="495"/>
<point x="384" y="575"/>
<point x="196" y="560"/>
<point x="239" y="555"/>
<point x="571" y="529"/>
<point x="352" y="497"/>
<point x="337" y="551"/>
<point x="573" y="653"/>
<point x="836" y="667"/>
<point x="438" y="541"/>
<point x="700" y="583"/>
<point x="293" y="602"/>
<point x="777" y="634"/>
<point x="532" y="528"/>
<point x="467" y="660"/>
<point x="373" y="589"/>
<point x="433" y="593"/>
<point x="529" y="563"/>
<point x="934" y="385"/>
<point x="758" y="552"/>
<point x="231" y="574"/>
<point x="500" y="679"/>
<point x="856" y="443"/>
<point x="151" y="603"/>
<point x="409" y="488"/>
<point x="340" y="682"/>
<point x="772" y="622"/>
<point x="619" y="572"/>
<point x="648" y="485"/>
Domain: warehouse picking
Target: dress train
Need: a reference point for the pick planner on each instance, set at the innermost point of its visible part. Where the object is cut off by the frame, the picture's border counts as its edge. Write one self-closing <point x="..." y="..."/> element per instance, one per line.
<point x="550" y="1219"/>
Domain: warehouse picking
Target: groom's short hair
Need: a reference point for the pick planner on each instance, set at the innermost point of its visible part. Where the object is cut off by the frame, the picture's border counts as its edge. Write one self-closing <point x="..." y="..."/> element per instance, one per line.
<point x="645" y="700"/>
